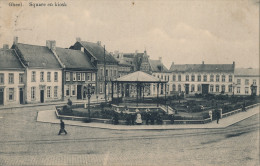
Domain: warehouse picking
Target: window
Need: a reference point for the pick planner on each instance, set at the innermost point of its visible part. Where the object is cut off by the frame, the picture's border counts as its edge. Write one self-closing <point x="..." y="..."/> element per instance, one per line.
<point x="93" y="76"/>
<point x="174" y="78"/>
<point x="238" y="81"/>
<point x="67" y="76"/>
<point x="106" y="72"/>
<point x="21" y="78"/>
<point x="211" y="78"/>
<point x="49" y="76"/>
<point x="192" y="88"/>
<point x="246" y="90"/>
<point x="153" y="88"/>
<point x="48" y="91"/>
<point x="168" y="78"/>
<point x="83" y="77"/>
<point x="56" y="76"/>
<point x="114" y="72"/>
<point x="230" y="78"/>
<point x="67" y="89"/>
<point x="165" y="78"/>
<point x="230" y="88"/>
<point x="88" y="76"/>
<point x="187" y="77"/>
<point x="111" y="72"/>
<point x="101" y="72"/>
<point x="223" y="88"/>
<point x="33" y="91"/>
<point x="2" y="78"/>
<point x="11" y="94"/>
<point x="254" y="82"/>
<point x="246" y="82"/>
<point x="211" y="88"/>
<point x="199" y="77"/>
<point x="101" y="88"/>
<point x="73" y="90"/>
<point x="42" y="76"/>
<point x="217" y="88"/>
<point x="11" y="78"/>
<point x="199" y="88"/>
<point x="238" y="89"/>
<point x="179" y="77"/>
<point x="223" y="78"/>
<point x="192" y="78"/>
<point x="74" y="77"/>
<point x="174" y="87"/>
<point x="161" y="77"/>
<point x="217" y="78"/>
<point x="55" y="92"/>
<point x="179" y="88"/>
<point x="33" y="76"/>
<point x="205" y="78"/>
<point x="79" y="76"/>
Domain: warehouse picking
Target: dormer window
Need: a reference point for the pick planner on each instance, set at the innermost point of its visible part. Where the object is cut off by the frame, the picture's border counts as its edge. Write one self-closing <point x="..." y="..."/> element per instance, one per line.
<point x="82" y="49"/>
<point x="160" y="68"/>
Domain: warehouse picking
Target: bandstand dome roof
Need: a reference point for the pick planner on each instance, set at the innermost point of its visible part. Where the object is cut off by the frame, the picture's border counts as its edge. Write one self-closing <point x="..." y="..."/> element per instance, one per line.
<point x="139" y="76"/>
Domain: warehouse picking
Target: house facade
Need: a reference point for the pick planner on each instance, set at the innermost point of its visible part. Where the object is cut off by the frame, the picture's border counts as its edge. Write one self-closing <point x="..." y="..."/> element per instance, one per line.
<point x="78" y="73"/>
<point x="43" y="81"/>
<point x="246" y="81"/>
<point x="12" y="78"/>
<point x="202" y="78"/>
<point x="105" y="63"/>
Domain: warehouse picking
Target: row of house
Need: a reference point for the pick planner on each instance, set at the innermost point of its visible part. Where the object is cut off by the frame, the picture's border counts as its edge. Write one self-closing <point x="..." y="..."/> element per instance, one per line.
<point x="202" y="78"/>
<point x="33" y="73"/>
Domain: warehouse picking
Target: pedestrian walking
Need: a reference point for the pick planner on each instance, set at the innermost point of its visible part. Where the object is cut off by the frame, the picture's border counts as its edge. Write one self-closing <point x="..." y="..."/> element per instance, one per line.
<point x="62" y="128"/>
<point x="217" y="115"/>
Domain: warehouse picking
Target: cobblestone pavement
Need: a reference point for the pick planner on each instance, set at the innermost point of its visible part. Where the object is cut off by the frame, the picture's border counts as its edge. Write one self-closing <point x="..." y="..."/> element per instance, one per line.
<point x="23" y="141"/>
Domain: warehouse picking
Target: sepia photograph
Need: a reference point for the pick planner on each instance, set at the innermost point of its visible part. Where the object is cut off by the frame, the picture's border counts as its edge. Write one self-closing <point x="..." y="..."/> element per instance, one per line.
<point x="129" y="82"/>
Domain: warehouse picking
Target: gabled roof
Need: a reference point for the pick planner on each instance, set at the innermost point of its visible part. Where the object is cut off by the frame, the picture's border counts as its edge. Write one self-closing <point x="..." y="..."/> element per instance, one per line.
<point x="97" y="51"/>
<point x="37" y="56"/>
<point x="247" y="72"/>
<point x="202" y="68"/>
<point x="74" y="59"/>
<point x="9" y="60"/>
<point x="139" y="76"/>
<point x="157" y="66"/>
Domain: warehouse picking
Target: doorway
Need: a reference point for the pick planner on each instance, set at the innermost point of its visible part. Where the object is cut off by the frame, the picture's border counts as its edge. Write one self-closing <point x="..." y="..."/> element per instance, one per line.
<point x="21" y="95"/>
<point x="205" y="88"/>
<point x="42" y="96"/>
<point x="1" y="96"/>
<point x="187" y="87"/>
<point x="79" y="95"/>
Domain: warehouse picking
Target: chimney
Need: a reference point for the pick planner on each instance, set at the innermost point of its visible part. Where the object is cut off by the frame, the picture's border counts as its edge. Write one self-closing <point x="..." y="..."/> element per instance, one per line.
<point x="160" y="59"/>
<point x="203" y="62"/>
<point x="136" y="51"/>
<point x="51" y="44"/>
<point x="15" y="40"/>
<point x="234" y="63"/>
<point x="5" y="46"/>
<point x="172" y="63"/>
<point x="99" y="43"/>
<point x="78" y="39"/>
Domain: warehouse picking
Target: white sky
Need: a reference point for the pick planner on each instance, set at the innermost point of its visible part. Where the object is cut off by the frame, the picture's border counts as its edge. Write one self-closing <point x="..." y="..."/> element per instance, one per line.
<point x="180" y="31"/>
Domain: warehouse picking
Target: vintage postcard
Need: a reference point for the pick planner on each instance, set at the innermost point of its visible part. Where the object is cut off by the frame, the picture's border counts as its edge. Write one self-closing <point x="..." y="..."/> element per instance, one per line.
<point x="129" y="82"/>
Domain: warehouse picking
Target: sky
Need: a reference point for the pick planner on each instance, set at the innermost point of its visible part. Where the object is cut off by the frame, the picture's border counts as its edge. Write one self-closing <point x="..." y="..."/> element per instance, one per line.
<point x="179" y="31"/>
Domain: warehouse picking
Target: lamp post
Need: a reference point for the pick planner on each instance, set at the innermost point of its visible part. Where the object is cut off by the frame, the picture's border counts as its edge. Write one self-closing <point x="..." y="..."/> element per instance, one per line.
<point x="88" y="91"/>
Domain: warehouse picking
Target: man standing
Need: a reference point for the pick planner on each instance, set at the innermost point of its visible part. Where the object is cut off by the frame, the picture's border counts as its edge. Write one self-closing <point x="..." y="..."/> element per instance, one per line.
<point x="62" y="128"/>
<point x="218" y="115"/>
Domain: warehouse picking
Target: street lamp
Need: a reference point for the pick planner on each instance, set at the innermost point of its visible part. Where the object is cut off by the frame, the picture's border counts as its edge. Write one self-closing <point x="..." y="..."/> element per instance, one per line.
<point x="88" y="90"/>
